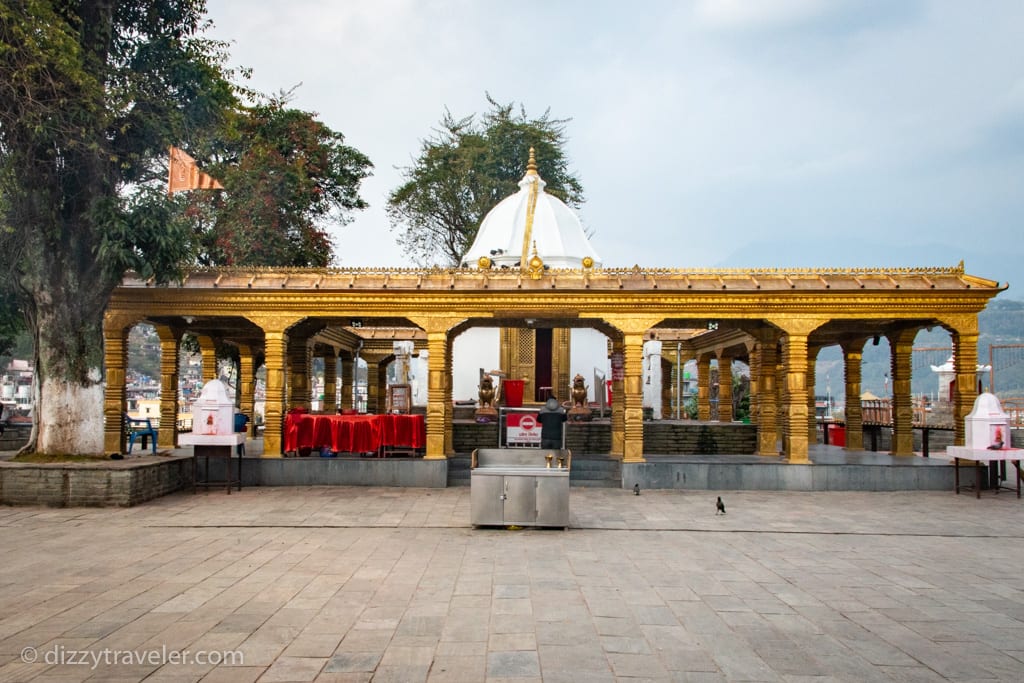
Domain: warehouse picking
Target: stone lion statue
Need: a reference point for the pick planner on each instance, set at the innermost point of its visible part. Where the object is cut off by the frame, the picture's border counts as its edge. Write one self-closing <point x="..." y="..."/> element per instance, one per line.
<point x="579" y="392"/>
<point x="486" y="392"/>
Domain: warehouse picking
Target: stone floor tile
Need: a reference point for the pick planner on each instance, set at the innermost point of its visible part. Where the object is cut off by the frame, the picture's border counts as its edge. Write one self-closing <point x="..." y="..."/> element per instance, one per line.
<point x="458" y="669"/>
<point x="293" y="669"/>
<point x="233" y="675"/>
<point x="792" y="586"/>
<point x="512" y="665"/>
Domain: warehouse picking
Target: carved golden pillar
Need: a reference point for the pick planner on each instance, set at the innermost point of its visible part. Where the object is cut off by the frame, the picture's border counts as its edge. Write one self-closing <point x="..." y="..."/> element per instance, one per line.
<point x="299" y="392"/>
<point x="247" y="386"/>
<point x="115" y="362"/>
<point x="330" y="404"/>
<point x="449" y="429"/>
<point x="347" y="381"/>
<point x="208" y="352"/>
<point x="618" y="401"/>
<point x="633" y="399"/>
<point x="812" y="417"/>
<point x="382" y="385"/>
<point x="373" y="398"/>
<point x="965" y="365"/>
<point x="704" y="387"/>
<point x="724" y="388"/>
<point x="794" y="360"/>
<point x="754" y="363"/>
<point x="560" y="380"/>
<point x="767" y="398"/>
<point x="782" y="400"/>
<point x="795" y="368"/>
<point x="276" y="363"/>
<point x="901" y="347"/>
<point x="170" y="344"/>
<point x="853" y="355"/>
<point x="437" y="407"/>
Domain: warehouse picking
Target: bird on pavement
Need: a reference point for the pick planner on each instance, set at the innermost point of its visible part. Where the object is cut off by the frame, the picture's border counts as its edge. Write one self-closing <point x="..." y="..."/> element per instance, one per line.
<point x="720" y="506"/>
<point x="636" y="489"/>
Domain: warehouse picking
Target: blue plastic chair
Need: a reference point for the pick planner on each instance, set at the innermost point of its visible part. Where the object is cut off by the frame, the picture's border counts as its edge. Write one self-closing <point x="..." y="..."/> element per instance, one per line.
<point x="136" y="428"/>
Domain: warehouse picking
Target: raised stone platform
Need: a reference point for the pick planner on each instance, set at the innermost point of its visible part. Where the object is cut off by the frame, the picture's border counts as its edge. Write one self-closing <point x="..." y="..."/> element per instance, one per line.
<point x="94" y="484"/>
<point x="338" y="471"/>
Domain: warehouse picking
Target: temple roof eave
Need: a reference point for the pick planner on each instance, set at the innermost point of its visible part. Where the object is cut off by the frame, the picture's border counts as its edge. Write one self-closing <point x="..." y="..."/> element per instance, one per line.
<point x="632" y="279"/>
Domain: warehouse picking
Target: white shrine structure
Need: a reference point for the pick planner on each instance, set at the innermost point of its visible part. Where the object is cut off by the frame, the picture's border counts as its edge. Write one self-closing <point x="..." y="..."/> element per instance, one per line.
<point x="534" y="225"/>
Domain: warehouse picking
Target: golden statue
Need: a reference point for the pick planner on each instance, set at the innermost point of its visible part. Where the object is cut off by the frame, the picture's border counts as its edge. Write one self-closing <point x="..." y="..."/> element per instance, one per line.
<point x="487" y="394"/>
<point x="580" y="409"/>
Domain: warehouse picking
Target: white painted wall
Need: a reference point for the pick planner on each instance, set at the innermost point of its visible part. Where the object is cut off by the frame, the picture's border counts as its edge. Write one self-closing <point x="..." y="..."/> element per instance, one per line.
<point x="652" y="377"/>
<point x="479" y="347"/>
<point x="588" y="349"/>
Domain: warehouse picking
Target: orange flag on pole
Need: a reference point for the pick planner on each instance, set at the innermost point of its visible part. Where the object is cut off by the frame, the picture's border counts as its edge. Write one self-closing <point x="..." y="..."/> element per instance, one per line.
<point x="185" y="174"/>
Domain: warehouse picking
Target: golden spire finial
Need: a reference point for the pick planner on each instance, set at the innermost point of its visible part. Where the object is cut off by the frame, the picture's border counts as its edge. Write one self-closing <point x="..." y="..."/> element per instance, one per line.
<point x="531" y="165"/>
<point x="536" y="264"/>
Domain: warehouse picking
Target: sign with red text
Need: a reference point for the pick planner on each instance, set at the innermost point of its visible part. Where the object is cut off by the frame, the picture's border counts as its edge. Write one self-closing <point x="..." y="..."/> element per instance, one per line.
<point x="522" y="429"/>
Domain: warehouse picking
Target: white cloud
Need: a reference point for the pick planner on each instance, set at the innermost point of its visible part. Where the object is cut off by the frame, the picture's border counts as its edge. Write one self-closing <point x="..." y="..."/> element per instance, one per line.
<point x="697" y="129"/>
<point x="759" y="14"/>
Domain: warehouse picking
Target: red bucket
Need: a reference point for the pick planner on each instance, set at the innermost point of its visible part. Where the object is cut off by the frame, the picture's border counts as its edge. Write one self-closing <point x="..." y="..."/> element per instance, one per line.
<point x="514" y="392"/>
<point x="836" y="434"/>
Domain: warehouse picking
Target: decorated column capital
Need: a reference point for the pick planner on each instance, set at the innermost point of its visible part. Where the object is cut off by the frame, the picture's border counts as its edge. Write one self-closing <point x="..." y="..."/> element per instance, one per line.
<point x="630" y="324"/>
<point x="799" y="326"/>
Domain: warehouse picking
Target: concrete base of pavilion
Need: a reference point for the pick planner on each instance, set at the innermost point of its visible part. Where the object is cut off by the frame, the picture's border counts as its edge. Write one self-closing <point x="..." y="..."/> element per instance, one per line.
<point x="832" y="468"/>
<point x="345" y="471"/>
<point x="141" y="478"/>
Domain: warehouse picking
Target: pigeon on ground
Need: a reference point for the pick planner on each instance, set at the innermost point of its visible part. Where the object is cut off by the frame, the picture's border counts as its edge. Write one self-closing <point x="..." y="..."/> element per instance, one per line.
<point x="636" y="489"/>
<point x="720" y="506"/>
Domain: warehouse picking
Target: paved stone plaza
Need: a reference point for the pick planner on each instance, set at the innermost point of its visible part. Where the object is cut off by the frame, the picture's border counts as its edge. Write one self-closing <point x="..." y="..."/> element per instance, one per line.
<point x="360" y="584"/>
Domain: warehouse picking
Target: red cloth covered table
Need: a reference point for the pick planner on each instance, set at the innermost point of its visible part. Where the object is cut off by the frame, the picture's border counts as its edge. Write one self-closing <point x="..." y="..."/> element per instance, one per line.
<point x="354" y="433"/>
<point x="403" y="431"/>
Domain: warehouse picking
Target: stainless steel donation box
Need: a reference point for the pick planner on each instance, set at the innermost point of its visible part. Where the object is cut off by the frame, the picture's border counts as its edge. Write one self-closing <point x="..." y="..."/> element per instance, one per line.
<point x="520" y="487"/>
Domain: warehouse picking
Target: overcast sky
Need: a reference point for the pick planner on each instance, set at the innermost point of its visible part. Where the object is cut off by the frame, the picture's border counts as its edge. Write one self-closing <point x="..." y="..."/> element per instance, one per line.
<point x="736" y="133"/>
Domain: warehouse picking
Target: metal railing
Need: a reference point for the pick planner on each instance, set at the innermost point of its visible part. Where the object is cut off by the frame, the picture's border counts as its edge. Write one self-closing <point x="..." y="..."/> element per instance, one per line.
<point x="1014" y="407"/>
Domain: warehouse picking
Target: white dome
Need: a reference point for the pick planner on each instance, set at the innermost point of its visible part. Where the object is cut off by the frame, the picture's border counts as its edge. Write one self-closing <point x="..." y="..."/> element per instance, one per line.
<point x="554" y="229"/>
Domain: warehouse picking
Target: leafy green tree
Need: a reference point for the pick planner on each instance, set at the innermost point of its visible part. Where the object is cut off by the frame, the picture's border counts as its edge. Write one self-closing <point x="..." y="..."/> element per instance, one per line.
<point x="12" y="322"/>
<point x="288" y="176"/>
<point x="465" y="169"/>
<point x="92" y="92"/>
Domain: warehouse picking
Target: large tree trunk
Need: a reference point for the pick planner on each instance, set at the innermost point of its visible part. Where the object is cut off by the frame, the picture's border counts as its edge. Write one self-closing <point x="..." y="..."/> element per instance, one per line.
<point x="69" y="414"/>
<point x="66" y="321"/>
<point x="67" y="294"/>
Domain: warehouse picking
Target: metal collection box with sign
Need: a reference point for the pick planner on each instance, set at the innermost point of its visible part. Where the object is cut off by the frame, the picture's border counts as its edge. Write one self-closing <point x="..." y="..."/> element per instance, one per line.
<point x="520" y="487"/>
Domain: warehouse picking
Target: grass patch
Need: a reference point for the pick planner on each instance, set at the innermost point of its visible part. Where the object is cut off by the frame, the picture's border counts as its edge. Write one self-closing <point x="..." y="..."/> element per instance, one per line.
<point x="53" y="458"/>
